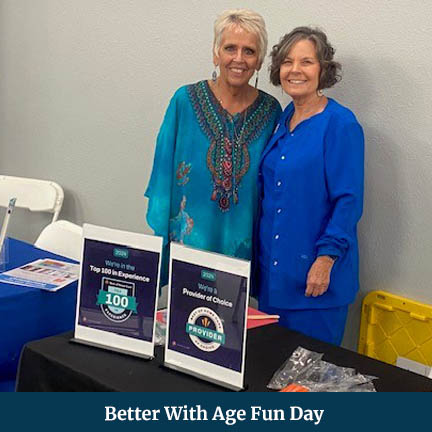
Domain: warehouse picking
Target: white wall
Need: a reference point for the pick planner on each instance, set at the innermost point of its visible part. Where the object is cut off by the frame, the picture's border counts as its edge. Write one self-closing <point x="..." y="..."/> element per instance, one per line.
<point x="84" y="85"/>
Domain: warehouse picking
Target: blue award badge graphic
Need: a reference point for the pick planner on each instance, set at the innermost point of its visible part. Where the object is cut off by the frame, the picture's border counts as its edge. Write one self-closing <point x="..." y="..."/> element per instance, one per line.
<point x="205" y="329"/>
<point x="117" y="299"/>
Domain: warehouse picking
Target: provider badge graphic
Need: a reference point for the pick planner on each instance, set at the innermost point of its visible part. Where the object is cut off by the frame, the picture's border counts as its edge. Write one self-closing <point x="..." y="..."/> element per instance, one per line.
<point x="117" y="299"/>
<point x="205" y="329"/>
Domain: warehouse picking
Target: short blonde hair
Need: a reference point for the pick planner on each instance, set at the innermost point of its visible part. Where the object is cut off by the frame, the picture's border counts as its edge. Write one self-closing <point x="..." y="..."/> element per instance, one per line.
<point x="249" y="21"/>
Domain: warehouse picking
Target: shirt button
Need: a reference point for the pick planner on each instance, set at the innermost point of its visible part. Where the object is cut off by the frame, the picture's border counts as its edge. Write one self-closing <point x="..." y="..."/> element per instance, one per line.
<point x="279" y="210"/>
<point x="283" y="157"/>
<point x="292" y="134"/>
<point x="279" y="183"/>
<point x="275" y="263"/>
<point x="276" y="236"/>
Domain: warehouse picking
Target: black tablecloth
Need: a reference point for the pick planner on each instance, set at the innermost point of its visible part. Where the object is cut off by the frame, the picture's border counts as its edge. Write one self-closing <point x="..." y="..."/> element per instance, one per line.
<point x="55" y="364"/>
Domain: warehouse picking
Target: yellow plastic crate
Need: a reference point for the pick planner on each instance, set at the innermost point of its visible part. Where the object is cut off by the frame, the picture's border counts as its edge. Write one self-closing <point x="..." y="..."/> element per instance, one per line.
<point x="393" y="326"/>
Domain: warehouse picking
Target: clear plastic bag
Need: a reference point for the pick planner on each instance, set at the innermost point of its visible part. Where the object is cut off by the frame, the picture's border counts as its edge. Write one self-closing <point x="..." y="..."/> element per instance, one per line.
<point x="300" y="362"/>
<point x="304" y="371"/>
<point x="324" y="372"/>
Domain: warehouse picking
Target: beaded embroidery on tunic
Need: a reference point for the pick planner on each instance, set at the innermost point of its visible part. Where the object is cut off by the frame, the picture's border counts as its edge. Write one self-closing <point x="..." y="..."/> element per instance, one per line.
<point x="229" y="136"/>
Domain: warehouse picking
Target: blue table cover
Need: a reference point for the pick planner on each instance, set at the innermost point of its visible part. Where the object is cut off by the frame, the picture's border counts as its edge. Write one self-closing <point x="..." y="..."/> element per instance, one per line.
<point x="28" y="313"/>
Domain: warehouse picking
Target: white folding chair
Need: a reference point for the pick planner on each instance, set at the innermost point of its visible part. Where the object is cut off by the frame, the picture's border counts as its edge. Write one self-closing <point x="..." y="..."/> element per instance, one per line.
<point x="63" y="238"/>
<point x="32" y="194"/>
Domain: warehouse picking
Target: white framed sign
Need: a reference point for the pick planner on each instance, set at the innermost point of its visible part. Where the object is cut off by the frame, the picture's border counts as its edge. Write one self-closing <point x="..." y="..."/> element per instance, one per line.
<point x="207" y="315"/>
<point x="118" y="290"/>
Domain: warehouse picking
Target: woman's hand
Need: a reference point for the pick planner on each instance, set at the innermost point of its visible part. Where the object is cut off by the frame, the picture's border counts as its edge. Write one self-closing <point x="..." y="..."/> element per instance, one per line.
<point x="318" y="278"/>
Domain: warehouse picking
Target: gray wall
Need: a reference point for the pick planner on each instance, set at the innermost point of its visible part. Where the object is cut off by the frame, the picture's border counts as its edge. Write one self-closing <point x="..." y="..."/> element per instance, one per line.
<point x="84" y="85"/>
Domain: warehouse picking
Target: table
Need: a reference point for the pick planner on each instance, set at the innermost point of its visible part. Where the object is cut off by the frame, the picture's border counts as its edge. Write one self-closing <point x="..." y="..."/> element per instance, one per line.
<point x="27" y="313"/>
<point x="56" y="364"/>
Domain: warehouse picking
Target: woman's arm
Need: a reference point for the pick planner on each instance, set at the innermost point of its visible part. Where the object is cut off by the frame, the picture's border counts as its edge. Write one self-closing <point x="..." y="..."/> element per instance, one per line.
<point x="344" y="169"/>
<point x="344" y="166"/>
<point x="159" y="188"/>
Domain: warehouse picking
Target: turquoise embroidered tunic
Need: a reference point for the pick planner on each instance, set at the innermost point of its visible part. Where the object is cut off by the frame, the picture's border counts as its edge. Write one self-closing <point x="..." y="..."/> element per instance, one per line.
<point x="203" y="187"/>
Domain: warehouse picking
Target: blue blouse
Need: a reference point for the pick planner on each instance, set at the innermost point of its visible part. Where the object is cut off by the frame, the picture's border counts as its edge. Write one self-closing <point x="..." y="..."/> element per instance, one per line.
<point x="203" y="187"/>
<point x="311" y="186"/>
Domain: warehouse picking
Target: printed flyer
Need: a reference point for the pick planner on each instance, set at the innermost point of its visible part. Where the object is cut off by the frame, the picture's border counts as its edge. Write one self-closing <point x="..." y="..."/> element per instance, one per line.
<point x="118" y="286"/>
<point x="207" y="311"/>
<point x="46" y="274"/>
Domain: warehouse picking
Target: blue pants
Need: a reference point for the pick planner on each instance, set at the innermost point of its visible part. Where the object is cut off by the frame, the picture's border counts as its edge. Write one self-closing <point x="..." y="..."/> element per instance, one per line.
<point x="327" y="325"/>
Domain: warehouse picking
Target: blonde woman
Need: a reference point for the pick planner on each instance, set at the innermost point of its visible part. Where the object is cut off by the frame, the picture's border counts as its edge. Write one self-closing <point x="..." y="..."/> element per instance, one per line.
<point x="203" y="187"/>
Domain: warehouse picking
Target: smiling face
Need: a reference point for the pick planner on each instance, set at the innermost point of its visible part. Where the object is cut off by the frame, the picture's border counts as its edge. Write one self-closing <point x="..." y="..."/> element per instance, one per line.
<point x="237" y="56"/>
<point x="300" y="71"/>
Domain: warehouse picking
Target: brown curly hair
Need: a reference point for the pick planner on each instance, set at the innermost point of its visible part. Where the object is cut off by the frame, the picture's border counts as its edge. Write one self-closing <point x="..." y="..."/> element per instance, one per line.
<point x="330" y="69"/>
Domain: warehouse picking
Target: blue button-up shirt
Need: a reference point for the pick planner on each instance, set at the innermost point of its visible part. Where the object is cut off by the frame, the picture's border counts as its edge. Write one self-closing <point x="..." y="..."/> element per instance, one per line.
<point x="311" y="183"/>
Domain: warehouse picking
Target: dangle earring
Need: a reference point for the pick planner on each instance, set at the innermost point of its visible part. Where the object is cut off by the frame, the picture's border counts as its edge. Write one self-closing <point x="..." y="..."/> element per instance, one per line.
<point x="256" y="80"/>
<point x="214" y="74"/>
<point x="320" y="93"/>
